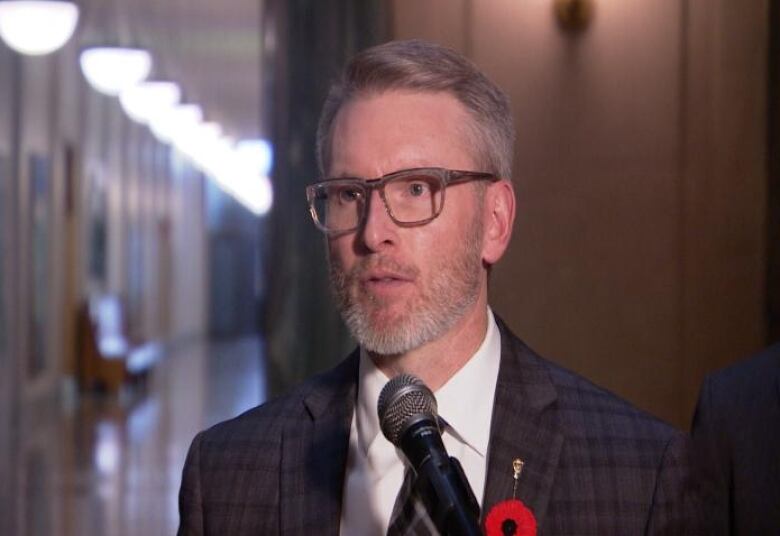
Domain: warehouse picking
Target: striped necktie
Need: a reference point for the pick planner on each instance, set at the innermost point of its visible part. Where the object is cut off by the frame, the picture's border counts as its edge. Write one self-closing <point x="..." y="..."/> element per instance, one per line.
<point x="409" y="517"/>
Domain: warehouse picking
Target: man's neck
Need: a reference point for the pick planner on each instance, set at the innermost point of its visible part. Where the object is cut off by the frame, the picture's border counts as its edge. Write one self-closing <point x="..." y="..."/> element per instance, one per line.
<point x="437" y="361"/>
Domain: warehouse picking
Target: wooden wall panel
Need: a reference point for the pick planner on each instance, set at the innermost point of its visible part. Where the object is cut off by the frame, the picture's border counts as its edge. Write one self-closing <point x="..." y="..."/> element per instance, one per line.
<point x="637" y="255"/>
<point x="724" y="187"/>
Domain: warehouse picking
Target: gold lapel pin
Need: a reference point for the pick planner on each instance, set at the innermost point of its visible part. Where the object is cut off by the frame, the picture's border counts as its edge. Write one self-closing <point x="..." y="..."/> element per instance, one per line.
<point x="517" y="469"/>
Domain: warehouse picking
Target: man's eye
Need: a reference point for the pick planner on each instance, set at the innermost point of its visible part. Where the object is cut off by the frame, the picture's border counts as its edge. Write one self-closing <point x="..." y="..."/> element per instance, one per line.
<point x="348" y="195"/>
<point x="417" y="189"/>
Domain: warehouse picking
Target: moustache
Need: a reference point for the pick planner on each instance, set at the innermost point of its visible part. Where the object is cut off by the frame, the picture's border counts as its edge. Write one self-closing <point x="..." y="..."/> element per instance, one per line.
<point x="367" y="265"/>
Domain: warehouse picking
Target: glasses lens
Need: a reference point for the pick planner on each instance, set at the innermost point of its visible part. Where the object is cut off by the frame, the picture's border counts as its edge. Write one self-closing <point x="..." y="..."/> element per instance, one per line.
<point x="337" y="204"/>
<point x="414" y="197"/>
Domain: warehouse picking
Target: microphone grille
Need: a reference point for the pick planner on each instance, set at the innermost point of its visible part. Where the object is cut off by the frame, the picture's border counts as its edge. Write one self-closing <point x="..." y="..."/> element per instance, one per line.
<point x="402" y="398"/>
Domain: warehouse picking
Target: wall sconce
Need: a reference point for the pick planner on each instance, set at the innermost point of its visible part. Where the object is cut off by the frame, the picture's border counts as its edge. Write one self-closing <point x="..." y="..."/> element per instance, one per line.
<point x="37" y="27"/>
<point x="574" y="15"/>
<point x="110" y="70"/>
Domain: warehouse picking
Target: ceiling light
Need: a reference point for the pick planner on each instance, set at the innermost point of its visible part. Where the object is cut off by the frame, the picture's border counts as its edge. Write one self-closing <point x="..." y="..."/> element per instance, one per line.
<point x="146" y="100"/>
<point x="198" y="141"/>
<point x="256" y="154"/>
<point x="111" y="70"/>
<point x="251" y="190"/>
<point x="226" y="167"/>
<point x="176" y="122"/>
<point x="37" y="27"/>
<point x="255" y="193"/>
<point x="216" y="156"/>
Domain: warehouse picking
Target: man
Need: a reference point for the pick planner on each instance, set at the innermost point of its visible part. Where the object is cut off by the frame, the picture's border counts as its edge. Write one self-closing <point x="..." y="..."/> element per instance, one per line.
<point x="415" y="147"/>
<point x="736" y="430"/>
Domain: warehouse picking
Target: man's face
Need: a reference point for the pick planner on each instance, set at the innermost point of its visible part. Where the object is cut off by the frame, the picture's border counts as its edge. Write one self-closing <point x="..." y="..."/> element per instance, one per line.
<point x="400" y="287"/>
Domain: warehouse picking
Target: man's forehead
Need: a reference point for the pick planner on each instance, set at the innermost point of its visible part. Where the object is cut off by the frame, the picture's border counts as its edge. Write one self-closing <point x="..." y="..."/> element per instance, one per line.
<point x="379" y="133"/>
<point x="402" y="97"/>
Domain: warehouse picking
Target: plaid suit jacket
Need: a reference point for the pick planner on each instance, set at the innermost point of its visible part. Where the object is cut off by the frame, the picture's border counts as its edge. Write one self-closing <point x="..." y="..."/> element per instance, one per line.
<point x="593" y="464"/>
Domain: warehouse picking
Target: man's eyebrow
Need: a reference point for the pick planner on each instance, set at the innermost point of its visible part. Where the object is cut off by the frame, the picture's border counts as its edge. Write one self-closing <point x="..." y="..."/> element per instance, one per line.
<point x="343" y="176"/>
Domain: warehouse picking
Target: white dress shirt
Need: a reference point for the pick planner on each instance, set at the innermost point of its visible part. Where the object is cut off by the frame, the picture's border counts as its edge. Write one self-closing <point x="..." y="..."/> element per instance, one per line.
<point x="375" y="468"/>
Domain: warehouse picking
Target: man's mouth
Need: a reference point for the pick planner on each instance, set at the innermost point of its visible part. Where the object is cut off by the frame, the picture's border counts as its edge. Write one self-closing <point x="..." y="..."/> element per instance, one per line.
<point x="384" y="277"/>
<point x="380" y="281"/>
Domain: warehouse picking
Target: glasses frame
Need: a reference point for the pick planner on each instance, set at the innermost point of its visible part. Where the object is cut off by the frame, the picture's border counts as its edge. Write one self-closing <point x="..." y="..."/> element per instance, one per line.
<point x="446" y="176"/>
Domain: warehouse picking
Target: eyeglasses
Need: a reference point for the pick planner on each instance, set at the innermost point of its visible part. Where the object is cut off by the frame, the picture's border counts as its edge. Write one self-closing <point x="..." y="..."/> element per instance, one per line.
<point x="411" y="197"/>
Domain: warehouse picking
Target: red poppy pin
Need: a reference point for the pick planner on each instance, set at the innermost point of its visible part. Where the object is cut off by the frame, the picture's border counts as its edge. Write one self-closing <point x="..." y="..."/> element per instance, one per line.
<point x="510" y="518"/>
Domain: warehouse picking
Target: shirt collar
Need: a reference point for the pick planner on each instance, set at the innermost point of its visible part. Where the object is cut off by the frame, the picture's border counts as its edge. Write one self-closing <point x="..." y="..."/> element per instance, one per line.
<point x="462" y="401"/>
<point x="371" y="381"/>
<point x="466" y="400"/>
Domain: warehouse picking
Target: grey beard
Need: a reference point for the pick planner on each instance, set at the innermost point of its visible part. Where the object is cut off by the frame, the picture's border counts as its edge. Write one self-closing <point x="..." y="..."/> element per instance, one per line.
<point x="454" y="289"/>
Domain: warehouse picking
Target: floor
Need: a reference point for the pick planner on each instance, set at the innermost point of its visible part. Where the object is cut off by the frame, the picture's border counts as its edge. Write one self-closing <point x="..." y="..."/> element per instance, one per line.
<point x="111" y="466"/>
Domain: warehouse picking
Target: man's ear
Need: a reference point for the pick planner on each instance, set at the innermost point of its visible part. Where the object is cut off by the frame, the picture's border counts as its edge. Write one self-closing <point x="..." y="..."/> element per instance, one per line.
<point x="499" y="219"/>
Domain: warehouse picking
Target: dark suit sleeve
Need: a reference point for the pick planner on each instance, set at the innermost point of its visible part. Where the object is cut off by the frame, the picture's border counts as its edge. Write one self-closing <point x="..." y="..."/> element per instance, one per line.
<point x="712" y="462"/>
<point x="676" y="505"/>
<point x="190" y="503"/>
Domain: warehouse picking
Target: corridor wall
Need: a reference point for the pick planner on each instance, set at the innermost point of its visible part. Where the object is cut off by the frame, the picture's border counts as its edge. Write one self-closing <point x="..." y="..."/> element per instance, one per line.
<point x="90" y="204"/>
<point x="7" y="257"/>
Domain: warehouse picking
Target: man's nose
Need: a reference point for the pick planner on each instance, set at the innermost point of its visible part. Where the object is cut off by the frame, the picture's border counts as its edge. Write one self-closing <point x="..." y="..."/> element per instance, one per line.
<point x="379" y="229"/>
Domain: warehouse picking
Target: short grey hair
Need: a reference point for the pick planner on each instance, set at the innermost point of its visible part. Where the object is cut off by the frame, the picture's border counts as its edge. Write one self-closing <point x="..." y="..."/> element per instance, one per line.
<point x="423" y="66"/>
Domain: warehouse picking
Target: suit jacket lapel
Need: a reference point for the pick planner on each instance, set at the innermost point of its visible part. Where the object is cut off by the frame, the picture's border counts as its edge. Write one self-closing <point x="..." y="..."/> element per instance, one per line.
<point x="524" y="426"/>
<point x="314" y="454"/>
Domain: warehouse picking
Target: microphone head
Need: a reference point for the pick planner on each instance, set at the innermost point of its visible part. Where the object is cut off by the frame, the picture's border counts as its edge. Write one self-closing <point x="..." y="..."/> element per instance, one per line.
<point x="404" y="400"/>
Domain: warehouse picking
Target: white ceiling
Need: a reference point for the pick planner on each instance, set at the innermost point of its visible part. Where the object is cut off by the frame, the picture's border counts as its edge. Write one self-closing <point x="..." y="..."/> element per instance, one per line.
<point x="211" y="47"/>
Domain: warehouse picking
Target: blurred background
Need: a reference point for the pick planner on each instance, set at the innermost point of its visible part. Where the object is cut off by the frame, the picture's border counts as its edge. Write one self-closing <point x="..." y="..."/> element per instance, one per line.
<point x="159" y="272"/>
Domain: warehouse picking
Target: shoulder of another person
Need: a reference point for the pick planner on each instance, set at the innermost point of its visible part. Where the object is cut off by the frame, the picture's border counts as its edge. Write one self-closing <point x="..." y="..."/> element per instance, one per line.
<point x="744" y="393"/>
<point x="761" y="369"/>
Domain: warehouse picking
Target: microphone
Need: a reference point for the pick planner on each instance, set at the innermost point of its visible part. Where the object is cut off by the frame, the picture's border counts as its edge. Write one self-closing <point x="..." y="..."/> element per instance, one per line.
<point x="408" y="418"/>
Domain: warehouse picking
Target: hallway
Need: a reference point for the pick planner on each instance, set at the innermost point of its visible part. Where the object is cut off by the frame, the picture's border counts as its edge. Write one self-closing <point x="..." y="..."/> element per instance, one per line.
<point x="111" y="466"/>
<point x="645" y="254"/>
